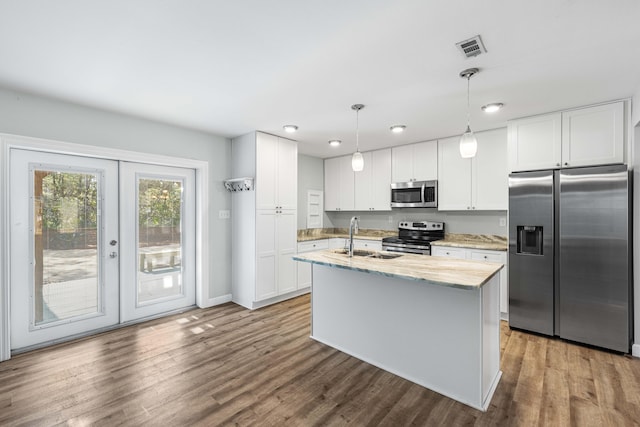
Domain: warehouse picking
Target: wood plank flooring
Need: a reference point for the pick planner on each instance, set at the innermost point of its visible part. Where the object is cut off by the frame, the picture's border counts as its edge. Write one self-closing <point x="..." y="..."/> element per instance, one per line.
<point x="230" y="366"/>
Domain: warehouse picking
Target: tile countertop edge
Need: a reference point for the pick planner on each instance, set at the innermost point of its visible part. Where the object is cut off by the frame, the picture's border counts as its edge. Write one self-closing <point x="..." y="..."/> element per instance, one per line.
<point x="342" y="264"/>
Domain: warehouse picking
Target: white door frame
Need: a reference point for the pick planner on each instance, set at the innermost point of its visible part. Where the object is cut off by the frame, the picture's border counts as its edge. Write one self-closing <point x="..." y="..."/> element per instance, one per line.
<point x="7" y="142"/>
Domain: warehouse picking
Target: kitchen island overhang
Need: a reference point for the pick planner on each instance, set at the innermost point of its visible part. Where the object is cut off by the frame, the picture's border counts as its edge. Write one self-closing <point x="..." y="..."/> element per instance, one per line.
<point x="433" y="321"/>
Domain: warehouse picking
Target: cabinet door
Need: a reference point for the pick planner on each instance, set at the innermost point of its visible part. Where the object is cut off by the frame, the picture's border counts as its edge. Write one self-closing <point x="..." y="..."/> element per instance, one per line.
<point x="266" y="171"/>
<point x="363" y="197"/>
<point x="535" y="143"/>
<point x="287" y="195"/>
<point x="266" y="284"/>
<point x="381" y="180"/>
<point x="332" y="184"/>
<point x="304" y="268"/>
<point x="346" y="185"/>
<point x="287" y="245"/>
<point x="593" y="136"/>
<point x="490" y="177"/>
<point x="402" y="163"/>
<point x="499" y="257"/>
<point x="372" y="245"/>
<point x="449" y="252"/>
<point x="425" y="161"/>
<point x="454" y="177"/>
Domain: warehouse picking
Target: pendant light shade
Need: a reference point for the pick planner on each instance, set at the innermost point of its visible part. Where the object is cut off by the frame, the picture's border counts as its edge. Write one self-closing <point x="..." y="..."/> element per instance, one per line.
<point x="468" y="141"/>
<point x="468" y="144"/>
<point x="357" y="161"/>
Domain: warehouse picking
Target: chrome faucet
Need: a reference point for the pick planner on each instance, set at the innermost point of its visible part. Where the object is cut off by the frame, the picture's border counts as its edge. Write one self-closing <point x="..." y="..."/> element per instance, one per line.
<point x="353" y="228"/>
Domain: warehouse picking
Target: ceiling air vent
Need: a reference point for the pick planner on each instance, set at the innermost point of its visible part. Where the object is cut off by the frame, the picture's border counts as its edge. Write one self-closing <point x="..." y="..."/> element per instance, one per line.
<point x="471" y="47"/>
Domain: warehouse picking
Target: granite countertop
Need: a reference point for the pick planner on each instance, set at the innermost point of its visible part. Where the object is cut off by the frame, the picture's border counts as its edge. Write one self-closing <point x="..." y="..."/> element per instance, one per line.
<point x="343" y="233"/>
<point x="488" y="242"/>
<point x="450" y="272"/>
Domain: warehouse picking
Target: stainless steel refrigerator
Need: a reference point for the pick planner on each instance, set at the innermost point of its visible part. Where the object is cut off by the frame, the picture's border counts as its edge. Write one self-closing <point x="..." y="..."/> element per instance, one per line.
<point x="570" y="254"/>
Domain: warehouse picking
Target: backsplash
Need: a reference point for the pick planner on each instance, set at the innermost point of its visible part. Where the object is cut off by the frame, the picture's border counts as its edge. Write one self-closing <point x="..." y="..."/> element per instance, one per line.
<point x="479" y="222"/>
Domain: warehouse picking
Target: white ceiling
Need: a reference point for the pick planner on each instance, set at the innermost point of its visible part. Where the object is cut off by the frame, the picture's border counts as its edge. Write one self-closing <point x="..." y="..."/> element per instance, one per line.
<point x="230" y="67"/>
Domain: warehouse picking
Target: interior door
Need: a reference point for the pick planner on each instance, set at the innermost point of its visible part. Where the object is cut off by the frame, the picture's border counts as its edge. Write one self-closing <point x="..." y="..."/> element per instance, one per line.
<point x="64" y="246"/>
<point x="157" y="218"/>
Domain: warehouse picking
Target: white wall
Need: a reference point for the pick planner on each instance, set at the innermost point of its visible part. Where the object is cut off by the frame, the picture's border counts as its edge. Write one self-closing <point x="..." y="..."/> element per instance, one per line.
<point x="486" y="222"/>
<point x="310" y="177"/>
<point x="29" y="115"/>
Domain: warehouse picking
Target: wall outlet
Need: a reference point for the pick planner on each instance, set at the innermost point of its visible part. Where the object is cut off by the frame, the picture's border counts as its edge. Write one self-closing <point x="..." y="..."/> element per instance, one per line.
<point x="503" y="222"/>
<point x="224" y="214"/>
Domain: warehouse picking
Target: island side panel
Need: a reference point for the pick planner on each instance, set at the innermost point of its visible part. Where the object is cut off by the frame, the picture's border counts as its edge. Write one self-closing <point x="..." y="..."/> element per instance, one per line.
<point x="428" y="334"/>
<point x="490" y="338"/>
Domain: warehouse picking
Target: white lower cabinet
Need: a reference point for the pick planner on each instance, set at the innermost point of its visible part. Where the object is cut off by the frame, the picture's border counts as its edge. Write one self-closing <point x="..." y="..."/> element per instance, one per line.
<point x="275" y="247"/>
<point x="480" y="255"/>
<point x="338" y="243"/>
<point x="304" y="268"/>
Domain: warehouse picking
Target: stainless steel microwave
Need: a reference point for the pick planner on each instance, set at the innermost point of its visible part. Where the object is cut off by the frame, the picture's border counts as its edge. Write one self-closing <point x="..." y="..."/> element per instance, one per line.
<point x="414" y="194"/>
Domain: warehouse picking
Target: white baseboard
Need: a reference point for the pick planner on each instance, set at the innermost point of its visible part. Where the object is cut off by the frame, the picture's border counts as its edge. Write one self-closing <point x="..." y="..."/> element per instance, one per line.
<point x="216" y="301"/>
<point x="635" y="350"/>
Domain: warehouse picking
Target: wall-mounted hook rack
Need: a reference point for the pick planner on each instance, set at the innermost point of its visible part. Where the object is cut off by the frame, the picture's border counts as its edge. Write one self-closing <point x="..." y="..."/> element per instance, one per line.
<point x="239" y="184"/>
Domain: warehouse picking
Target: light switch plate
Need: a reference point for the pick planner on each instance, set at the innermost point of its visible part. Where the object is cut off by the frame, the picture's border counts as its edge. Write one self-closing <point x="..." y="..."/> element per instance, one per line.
<point x="224" y="214"/>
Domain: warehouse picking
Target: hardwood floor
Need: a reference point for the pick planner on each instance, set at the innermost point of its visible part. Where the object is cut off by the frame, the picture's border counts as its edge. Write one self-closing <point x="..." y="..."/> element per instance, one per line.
<point x="230" y="366"/>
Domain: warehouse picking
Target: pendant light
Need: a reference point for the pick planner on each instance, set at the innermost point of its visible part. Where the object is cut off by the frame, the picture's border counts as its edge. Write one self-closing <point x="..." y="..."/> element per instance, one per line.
<point x="468" y="142"/>
<point x="357" y="161"/>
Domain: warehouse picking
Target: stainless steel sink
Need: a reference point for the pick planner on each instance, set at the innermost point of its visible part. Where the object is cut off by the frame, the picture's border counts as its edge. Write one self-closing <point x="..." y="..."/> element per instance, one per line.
<point x="369" y="254"/>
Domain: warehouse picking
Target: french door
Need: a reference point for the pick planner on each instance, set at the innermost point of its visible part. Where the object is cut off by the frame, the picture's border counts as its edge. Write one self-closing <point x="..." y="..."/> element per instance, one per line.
<point x="64" y="246"/>
<point x="95" y="243"/>
<point x="158" y="233"/>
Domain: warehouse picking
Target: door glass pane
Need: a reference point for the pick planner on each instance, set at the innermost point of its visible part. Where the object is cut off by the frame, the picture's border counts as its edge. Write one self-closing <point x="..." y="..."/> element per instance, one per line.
<point x="65" y="237"/>
<point x="159" y="239"/>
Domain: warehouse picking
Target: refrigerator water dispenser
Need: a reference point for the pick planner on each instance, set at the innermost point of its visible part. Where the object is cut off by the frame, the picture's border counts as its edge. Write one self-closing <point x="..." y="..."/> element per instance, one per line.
<point x="529" y="240"/>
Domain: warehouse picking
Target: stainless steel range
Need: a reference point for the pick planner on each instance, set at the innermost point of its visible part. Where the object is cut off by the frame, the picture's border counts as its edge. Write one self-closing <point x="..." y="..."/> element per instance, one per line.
<point x="414" y="237"/>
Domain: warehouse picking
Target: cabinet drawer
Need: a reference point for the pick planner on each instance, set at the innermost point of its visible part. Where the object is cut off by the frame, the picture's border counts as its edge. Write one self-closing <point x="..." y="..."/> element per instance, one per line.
<point x="487" y="256"/>
<point x="313" y="245"/>
<point x="458" y="253"/>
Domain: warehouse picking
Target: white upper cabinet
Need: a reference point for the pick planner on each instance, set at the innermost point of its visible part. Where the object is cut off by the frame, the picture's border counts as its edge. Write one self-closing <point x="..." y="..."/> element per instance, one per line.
<point x="373" y="183"/>
<point x="454" y="176"/>
<point x="490" y="174"/>
<point x="338" y="184"/>
<point x="479" y="183"/>
<point x="276" y="172"/>
<point x="535" y="142"/>
<point x="593" y="136"/>
<point x="415" y="162"/>
<point x="582" y="137"/>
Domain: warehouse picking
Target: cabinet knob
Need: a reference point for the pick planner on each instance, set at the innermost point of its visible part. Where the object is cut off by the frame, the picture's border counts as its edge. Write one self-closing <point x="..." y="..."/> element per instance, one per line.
<point x="557" y="164"/>
<point x="468" y="207"/>
<point x="473" y="207"/>
<point x="566" y="164"/>
<point x="485" y="257"/>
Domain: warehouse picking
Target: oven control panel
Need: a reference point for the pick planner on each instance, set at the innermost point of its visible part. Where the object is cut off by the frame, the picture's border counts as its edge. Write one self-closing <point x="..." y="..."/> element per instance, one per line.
<point x="421" y="225"/>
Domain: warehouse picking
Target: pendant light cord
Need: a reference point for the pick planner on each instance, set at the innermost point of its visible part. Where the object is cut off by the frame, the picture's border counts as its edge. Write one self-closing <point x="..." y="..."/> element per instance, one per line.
<point x="357" y="130"/>
<point x="468" y="104"/>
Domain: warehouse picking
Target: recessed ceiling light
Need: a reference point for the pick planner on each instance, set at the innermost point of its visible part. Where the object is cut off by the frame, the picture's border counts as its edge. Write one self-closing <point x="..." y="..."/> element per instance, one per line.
<point x="398" y="128"/>
<point x="290" y="128"/>
<point x="492" y="108"/>
<point x="335" y="142"/>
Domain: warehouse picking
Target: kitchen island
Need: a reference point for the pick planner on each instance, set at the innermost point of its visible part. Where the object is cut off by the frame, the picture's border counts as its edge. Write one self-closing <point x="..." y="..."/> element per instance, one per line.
<point x="431" y="320"/>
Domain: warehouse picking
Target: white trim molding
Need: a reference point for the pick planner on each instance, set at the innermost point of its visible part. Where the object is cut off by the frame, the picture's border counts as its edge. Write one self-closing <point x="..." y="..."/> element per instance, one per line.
<point x="216" y="301"/>
<point x="7" y="142"/>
